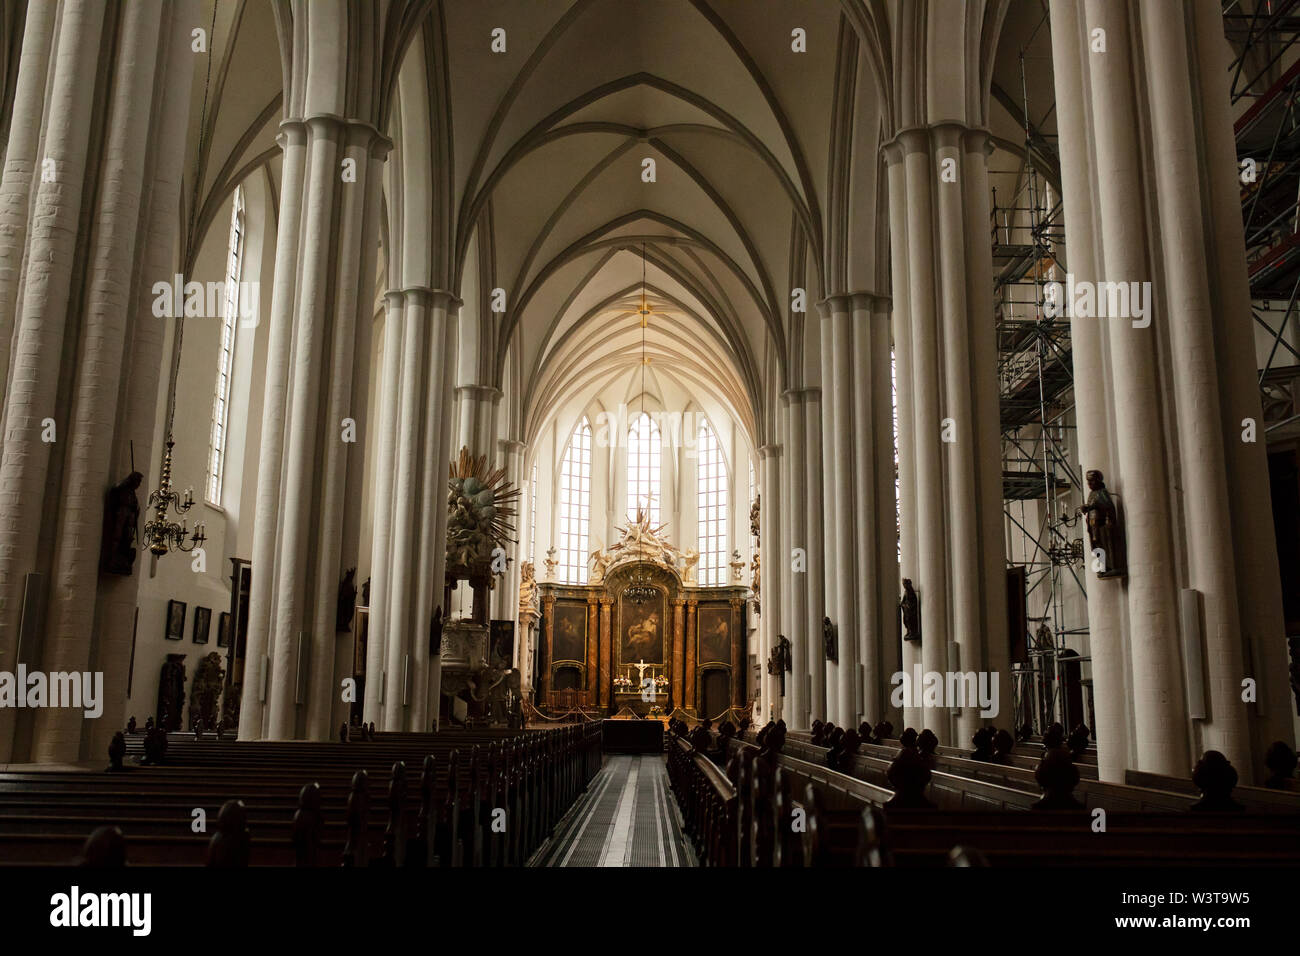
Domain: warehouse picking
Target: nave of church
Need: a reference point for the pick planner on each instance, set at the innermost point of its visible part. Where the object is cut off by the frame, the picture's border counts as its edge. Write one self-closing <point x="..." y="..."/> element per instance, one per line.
<point x="631" y="434"/>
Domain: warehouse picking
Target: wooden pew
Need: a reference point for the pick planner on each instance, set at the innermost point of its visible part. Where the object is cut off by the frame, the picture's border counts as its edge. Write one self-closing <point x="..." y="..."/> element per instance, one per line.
<point x="44" y="816"/>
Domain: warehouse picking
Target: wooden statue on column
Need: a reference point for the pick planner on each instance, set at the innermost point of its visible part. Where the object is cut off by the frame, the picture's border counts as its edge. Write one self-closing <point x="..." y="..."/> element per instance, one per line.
<point x="1105" y="532"/>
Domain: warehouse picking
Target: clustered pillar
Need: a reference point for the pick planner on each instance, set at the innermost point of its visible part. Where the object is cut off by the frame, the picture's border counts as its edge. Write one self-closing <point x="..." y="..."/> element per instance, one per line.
<point x="949" y="441"/>
<point x="1169" y="435"/>
<point x="91" y="184"/>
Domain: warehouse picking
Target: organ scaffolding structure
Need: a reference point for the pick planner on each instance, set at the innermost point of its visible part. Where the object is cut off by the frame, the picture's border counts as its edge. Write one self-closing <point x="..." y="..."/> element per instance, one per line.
<point x="1041" y="478"/>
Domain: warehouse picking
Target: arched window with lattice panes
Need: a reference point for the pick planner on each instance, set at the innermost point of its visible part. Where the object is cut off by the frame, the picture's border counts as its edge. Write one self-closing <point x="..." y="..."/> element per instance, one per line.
<point x="711" y="507"/>
<point x="644" y="458"/>
<point x="226" y="351"/>
<point x="575" y="505"/>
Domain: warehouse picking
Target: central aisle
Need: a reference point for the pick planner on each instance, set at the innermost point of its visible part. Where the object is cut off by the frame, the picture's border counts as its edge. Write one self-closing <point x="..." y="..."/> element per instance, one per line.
<point x="628" y="817"/>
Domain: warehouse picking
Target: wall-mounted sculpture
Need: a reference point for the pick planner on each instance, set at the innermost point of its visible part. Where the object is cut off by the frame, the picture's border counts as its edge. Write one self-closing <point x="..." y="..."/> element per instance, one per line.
<point x="1105" y="532"/>
<point x="911" y="607"/>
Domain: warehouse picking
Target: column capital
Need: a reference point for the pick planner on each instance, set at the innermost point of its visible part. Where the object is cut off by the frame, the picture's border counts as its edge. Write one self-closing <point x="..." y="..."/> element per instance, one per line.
<point x="509" y="446"/>
<point x="423" y="295"/>
<point x="351" y="132"/>
<point x="793" y="396"/>
<point x="480" y="392"/>
<point x="769" y="451"/>
<point x="860" y="301"/>
<point x="945" y="133"/>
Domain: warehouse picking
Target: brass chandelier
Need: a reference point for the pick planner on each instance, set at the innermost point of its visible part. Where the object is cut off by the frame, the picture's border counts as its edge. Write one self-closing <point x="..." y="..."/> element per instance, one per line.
<point x="161" y="534"/>
<point x="641" y="588"/>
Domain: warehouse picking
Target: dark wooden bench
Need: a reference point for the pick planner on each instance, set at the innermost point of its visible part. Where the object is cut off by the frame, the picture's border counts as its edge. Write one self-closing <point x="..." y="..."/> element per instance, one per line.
<point x="438" y="809"/>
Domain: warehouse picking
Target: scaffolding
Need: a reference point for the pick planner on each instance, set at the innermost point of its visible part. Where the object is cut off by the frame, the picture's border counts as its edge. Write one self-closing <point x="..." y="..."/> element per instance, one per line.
<point x="1264" y="36"/>
<point x="1035" y="369"/>
<point x="1036" y="384"/>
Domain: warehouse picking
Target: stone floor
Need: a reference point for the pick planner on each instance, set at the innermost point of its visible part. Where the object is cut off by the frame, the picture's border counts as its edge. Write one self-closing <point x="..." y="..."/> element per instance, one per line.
<point x="627" y="817"/>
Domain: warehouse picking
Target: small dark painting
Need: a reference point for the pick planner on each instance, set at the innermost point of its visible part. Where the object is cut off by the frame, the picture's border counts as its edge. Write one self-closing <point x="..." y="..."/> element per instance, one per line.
<point x="570" y="640"/>
<point x="223" y="629"/>
<point x="202" y="624"/>
<point x="176" y="620"/>
<point x="715" y="634"/>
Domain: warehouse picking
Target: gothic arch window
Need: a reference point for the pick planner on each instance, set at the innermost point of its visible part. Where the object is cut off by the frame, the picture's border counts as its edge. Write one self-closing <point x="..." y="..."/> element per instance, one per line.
<point x="226" y="350"/>
<point x="711" y="491"/>
<point x="644" y="455"/>
<point x="575" y="505"/>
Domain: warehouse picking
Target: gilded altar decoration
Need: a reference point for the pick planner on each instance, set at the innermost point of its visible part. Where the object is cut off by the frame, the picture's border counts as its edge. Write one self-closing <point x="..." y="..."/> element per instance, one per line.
<point x="641" y="634"/>
<point x="480" y="507"/>
<point x="643" y="542"/>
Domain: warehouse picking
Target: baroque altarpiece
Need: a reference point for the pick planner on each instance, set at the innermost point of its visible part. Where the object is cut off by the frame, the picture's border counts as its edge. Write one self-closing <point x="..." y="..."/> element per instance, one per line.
<point x="642" y="637"/>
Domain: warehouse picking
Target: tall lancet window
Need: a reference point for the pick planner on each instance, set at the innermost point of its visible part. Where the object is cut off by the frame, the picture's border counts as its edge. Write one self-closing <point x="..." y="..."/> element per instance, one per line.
<point x="644" y="453"/>
<point x="226" y="350"/>
<point x="711" y="489"/>
<point x="532" y="516"/>
<point x="575" y="505"/>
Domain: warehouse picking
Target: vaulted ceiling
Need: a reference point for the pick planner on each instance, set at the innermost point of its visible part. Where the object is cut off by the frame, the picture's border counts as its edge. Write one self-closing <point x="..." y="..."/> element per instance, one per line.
<point x="524" y="170"/>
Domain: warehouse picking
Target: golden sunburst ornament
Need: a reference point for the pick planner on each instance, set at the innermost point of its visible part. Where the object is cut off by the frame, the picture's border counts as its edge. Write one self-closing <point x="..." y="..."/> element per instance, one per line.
<point x="480" y="508"/>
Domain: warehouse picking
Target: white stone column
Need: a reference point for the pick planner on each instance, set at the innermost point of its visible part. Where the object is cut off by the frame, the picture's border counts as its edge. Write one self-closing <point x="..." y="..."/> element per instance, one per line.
<point x="384" y="472"/>
<point x="842" y="556"/>
<point x="426" y="670"/>
<point x="771" y="545"/>
<point x="796" y="524"/>
<point x="1143" y="479"/>
<point x="1107" y="642"/>
<point x="72" y="297"/>
<point x="901" y="321"/>
<point x="88" y="423"/>
<point x="22" y="167"/>
<point x="321" y="315"/>
<point x="811" y="492"/>
<point x="266" y="522"/>
<point x="950" y="476"/>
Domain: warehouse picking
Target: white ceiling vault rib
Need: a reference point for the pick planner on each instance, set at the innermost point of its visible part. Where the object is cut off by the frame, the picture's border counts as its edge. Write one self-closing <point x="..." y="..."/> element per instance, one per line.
<point x="532" y="159"/>
<point x="553" y="133"/>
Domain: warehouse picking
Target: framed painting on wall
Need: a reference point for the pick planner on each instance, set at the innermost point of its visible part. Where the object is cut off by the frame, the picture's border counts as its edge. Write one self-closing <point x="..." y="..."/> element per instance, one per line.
<point x="223" y="629"/>
<point x="202" y="624"/>
<point x="715" y="634"/>
<point x="176" y="620"/>
<point x="570" y="640"/>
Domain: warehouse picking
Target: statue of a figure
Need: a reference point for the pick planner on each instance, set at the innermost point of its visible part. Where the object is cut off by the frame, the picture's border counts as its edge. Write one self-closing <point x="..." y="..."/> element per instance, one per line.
<point x="690" y="559"/>
<point x="527" y="587"/>
<point x="600" y="562"/>
<point x="365" y="593"/>
<point x="121" y="516"/>
<point x="779" y="662"/>
<point x="828" y="638"/>
<point x="911" y="605"/>
<point x="347" y="601"/>
<point x="171" y="692"/>
<point x="754" y="511"/>
<point x="551" y="562"/>
<point x="1104" y="532"/>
